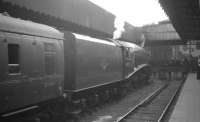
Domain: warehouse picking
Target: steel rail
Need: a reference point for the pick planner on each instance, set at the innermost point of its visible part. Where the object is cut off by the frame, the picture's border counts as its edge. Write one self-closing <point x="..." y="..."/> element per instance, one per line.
<point x="170" y="102"/>
<point x="152" y="95"/>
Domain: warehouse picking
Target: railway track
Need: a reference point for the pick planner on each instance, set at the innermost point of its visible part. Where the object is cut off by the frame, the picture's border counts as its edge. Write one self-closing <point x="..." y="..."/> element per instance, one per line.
<point x="112" y="110"/>
<point x="154" y="107"/>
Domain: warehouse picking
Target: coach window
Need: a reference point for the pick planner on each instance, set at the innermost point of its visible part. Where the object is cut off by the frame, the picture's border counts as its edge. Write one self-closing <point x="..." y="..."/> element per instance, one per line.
<point x="50" y="52"/>
<point x="13" y="59"/>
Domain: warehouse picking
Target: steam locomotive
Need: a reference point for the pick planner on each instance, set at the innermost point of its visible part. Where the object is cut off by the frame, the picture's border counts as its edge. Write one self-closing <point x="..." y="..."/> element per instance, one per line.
<point x="42" y="66"/>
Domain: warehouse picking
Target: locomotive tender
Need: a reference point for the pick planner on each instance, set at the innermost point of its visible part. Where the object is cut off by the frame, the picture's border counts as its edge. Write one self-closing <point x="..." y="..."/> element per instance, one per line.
<point x="40" y="64"/>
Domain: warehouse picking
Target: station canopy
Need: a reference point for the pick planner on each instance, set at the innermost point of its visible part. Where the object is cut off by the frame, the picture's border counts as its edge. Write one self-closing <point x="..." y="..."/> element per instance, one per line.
<point x="185" y="17"/>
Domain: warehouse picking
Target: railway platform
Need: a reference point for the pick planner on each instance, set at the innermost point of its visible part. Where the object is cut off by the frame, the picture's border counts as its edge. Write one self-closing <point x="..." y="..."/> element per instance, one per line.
<point x="187" y="108"/>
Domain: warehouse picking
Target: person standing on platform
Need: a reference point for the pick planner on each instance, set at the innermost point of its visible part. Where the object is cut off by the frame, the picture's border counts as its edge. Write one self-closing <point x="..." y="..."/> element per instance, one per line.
<point x="198" y="68"/>
<point x="186" y="66"/>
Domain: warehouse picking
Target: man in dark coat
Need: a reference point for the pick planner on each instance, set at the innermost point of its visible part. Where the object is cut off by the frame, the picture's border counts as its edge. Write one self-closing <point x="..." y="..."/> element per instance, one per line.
<point x="198" y="68"/>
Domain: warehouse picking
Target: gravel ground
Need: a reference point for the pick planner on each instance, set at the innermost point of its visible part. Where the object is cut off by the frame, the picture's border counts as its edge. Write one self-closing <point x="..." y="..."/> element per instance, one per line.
<point x="152" y="110"/>
<point x="111" y="111"/>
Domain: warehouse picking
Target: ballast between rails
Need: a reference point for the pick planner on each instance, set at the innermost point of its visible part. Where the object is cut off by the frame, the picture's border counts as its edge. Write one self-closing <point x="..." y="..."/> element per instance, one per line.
<point x="121" y="119"/>
<point x="149" y="99"/>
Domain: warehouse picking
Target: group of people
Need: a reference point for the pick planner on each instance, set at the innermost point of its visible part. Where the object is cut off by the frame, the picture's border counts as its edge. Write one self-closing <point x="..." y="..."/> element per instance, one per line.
<point x="172" y="68"/>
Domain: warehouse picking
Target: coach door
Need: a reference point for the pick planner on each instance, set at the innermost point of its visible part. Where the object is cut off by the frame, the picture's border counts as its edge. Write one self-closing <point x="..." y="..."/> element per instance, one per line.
<point x="3" y="55"/>
<point x="13" y="42"/>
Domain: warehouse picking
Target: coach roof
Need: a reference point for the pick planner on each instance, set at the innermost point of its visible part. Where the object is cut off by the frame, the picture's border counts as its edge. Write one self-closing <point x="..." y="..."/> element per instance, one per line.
<point x="10" y="24"/>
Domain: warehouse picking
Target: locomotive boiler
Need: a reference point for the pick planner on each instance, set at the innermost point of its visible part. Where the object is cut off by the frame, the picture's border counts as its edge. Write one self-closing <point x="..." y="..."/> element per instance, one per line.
<point x="42" y="66"/>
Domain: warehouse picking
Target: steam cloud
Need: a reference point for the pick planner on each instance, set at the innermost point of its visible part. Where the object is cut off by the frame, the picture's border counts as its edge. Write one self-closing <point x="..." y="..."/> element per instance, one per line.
<point x="119" y="28"/>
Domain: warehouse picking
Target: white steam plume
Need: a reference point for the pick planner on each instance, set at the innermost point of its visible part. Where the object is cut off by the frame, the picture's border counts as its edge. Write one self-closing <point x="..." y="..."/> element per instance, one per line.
<point x="119" y="28"/>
